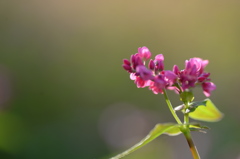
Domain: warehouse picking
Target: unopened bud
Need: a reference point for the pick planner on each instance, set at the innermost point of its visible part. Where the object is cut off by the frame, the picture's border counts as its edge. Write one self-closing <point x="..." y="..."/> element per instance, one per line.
<point x="126" y="61"/>
<point x="127" y="67"/>
<point x="151" y="65"/>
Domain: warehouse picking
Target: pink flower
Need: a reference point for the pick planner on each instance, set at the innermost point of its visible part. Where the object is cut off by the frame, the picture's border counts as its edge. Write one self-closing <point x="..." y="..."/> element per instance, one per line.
<point x="131" y="65"/>
<point x="156" y="78"/>
<point x="136" y="60"/>
<point x="144" y="73"/>
<point x="151" y="65"/>
<point x="144" y="53"/>
<point x="197" y="63"/>
<point x="164" y="80"/>
<point x="127" y="65"/>
<point x="158" y="85"/>
<point x="176" y="70"/>
<point x="170" y="77"/>
<point x="193" y="72"/>
<point x="208" y="87"/>
<point x="204" y="77"/>
<point x="139" y="81"/>
<point x="159" y="62"/>
<point x="159" y="57"/>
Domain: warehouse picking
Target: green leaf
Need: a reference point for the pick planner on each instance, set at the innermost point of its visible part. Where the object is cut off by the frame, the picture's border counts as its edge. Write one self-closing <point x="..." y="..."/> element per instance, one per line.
<point x="197" y="127"/>
<point x="194" y="105"/>
<point x="199" y="103"/>
<point x="208" y="113"/>
<point x="168" y="128"/>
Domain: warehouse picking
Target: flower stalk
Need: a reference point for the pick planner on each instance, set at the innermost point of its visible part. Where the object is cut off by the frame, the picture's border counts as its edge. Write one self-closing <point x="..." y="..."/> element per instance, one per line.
<point x="188" y="136"/>
<point x="185" y="129"/>
<point x="191" y="145"/>
<point x="171" y="107"/>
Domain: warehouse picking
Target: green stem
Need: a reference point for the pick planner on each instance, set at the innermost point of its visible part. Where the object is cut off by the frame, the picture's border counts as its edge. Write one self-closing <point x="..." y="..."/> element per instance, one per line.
<point x="188" y="136"/>
<point x="185" y="129"/>
<point x="186" y="119"/>
<point x="170" y="107"/>
<point x="192" y="147"/>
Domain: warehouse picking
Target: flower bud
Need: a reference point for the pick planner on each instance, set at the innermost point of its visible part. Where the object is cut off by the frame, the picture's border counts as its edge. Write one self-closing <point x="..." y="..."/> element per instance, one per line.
<point x="159" y="62"/>
<point x="176" y="69"/>
<point x="126" y="61"/>
<point x="127" y="67"/>
<point x="151" y="65"/>
<point x="144" y="53"/>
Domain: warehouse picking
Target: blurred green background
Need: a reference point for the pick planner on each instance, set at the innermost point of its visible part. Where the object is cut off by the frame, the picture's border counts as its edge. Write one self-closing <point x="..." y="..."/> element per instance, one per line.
<point x="64" y="94"/>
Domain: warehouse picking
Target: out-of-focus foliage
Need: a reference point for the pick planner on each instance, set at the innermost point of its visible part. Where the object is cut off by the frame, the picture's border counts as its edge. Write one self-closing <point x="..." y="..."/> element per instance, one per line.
<point x="63" y="93"/>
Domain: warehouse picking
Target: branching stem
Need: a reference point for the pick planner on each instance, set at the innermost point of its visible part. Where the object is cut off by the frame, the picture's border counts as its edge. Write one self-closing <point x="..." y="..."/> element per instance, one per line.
<point x="185" y="128"/>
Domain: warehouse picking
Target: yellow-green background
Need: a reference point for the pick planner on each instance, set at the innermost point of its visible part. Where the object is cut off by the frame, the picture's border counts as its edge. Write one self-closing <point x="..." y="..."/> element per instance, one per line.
<point x="64" y="94"/>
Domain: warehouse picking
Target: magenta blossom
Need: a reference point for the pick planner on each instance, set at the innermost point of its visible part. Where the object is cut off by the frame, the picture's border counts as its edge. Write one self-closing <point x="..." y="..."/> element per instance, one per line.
<point x="158" y="84"/>
<point x="208" y="87"/>
<point x="153" y="75"/>
<point x="195" y="66"/>
<point x="157" y="79"/>
<point x="144" y="53"/>
<point x="139" y="81"/>
<point x="164" y="80"/>
<point x="144" y="73"/>
<point x="159" y="62"/>
<point x="170" y="77"/>
<point x="194" y="74"/>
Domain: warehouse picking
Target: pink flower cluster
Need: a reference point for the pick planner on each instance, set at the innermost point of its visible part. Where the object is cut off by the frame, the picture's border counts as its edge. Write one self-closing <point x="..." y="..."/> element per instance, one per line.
<point x="156" y="78"/>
